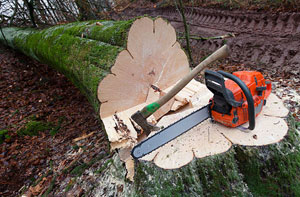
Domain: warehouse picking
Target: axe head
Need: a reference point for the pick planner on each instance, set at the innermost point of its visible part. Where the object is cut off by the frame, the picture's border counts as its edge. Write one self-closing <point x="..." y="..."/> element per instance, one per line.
<point x="142" y="122"/>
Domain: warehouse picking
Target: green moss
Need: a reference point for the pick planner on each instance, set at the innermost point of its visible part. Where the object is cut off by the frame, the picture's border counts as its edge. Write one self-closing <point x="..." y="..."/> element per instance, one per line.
<point x="4" y="135"/>
<point x="50" y="172"/>
<point x="84" y="61"/>
<point x="151" y="180"/>
<point x="275" y="169"/>
<point x="55" y="129"/>
<point x="83" y="51"/>
<point x="104" y="166"/>
<point x="220" y="175"/>
<point x="78" y="170"/>
<point x="33" y="128"/>
<point x="104" y="33"/>
<point x="217" y="175"/>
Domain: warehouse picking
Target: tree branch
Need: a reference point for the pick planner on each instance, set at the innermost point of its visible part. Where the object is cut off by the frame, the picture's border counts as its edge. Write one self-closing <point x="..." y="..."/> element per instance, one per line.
<point x="2" y="31"/>
<point x="186" y="28"/>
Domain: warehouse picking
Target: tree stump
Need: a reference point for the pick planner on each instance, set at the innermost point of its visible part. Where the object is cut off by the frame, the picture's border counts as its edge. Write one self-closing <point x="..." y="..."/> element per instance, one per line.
<point x="94" y="52"/>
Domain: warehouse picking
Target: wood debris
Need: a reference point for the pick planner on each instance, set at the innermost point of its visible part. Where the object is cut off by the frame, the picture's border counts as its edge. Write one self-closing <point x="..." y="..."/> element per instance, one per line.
<point x="83" y="137"/>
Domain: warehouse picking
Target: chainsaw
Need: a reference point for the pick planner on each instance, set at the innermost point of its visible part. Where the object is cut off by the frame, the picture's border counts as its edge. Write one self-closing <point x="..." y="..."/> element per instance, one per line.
<point x="237" y="100"/>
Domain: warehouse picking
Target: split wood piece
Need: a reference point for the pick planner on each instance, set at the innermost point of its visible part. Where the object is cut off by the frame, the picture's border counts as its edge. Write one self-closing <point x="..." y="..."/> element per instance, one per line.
<point x="129" y="162"/>
<point x="213" y="138"/>
<point x="122" y="131"/>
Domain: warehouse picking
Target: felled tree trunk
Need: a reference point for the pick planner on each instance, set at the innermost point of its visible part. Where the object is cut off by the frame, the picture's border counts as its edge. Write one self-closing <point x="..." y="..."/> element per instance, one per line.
<point x="85" y="52"/>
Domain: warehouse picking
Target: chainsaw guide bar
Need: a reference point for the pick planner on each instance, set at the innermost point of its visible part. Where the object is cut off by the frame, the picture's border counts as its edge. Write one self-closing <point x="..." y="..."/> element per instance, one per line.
<point x="171" y="132"/>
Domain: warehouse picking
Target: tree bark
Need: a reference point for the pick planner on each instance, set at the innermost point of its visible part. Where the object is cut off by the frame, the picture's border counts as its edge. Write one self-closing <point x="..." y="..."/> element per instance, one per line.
<point x="85" y="52"/>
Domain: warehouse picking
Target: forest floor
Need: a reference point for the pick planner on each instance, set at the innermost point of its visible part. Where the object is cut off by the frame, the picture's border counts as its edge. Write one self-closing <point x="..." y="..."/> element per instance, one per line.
<point x="47" y="126"/>
<point x="50" y="134"/>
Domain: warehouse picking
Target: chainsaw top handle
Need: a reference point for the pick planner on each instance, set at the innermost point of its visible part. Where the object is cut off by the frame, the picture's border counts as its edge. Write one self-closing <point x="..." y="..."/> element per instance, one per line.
<point x="215" y="83"/>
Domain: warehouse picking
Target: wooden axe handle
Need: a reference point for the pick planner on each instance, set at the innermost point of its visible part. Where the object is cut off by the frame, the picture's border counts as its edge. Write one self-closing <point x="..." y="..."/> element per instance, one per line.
<point x="151" y="108"/>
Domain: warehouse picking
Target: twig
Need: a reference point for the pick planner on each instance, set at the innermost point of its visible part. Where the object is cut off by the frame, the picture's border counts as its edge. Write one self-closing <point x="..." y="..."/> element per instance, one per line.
<point x="186" y="28"/>
<point x="83" y="137"/>
<point x="210" y="38"/>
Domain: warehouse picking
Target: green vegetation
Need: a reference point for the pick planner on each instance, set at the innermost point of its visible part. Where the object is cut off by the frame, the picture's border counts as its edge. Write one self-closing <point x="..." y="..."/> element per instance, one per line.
<point x="55" y="129"/>
<point x="104" y="166"/>
<point x="51" y="186"/>
<point x="70" y="185"/>
<point x="78" y="168"/>
<point x="33" y="127"/>
<point x="4" y="135"/>
<point x="273" y="170"/>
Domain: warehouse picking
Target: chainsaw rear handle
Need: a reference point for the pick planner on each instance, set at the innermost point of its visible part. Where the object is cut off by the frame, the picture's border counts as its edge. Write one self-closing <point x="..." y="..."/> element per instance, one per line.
<point x="249" y="98"/>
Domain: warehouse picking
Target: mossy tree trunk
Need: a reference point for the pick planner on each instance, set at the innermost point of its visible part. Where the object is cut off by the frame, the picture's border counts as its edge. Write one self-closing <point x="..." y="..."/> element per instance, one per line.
<point x="82" y="51"/>
<point x="85" y="52"/>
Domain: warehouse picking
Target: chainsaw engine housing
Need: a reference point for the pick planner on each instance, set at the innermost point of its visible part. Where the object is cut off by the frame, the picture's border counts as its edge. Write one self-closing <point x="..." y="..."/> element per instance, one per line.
<point x="231" y="104"/>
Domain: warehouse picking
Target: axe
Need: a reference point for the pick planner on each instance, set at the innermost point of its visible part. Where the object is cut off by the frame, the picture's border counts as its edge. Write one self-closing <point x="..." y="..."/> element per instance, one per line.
<point x="140" y="117"/>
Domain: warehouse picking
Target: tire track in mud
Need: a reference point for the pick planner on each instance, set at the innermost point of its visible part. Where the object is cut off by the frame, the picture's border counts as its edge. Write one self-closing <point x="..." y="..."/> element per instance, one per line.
<point x="264" y="41"/>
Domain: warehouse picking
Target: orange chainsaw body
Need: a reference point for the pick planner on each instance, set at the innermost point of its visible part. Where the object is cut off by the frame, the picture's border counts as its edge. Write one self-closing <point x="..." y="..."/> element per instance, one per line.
<point x="236" y="116"/>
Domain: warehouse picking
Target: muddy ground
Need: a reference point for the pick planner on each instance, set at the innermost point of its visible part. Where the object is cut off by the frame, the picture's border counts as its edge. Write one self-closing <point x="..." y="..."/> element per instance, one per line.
<point x="267" y="42"/>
